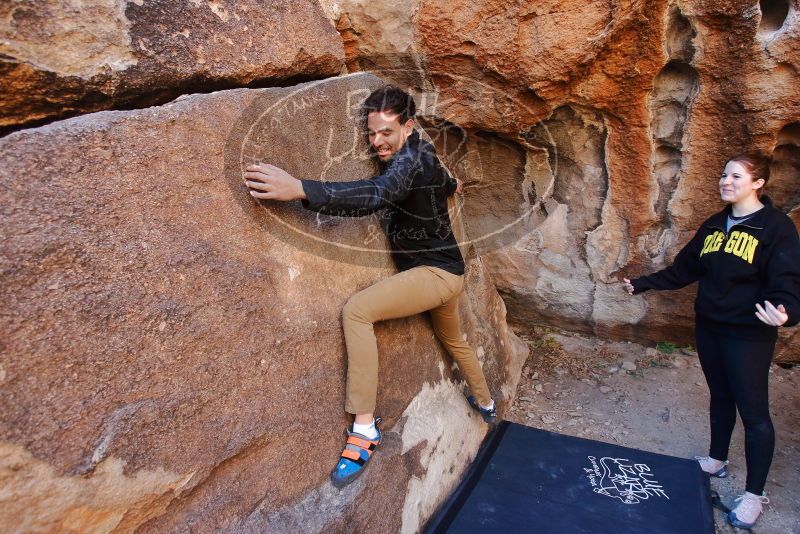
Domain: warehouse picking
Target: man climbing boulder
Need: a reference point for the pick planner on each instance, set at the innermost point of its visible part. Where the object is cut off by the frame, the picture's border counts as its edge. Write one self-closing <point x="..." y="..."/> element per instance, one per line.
<point x="410" y="194"/>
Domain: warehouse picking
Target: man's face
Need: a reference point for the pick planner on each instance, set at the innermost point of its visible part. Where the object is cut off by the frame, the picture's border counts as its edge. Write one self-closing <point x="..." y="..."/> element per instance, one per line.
<point x="386" y="134"/>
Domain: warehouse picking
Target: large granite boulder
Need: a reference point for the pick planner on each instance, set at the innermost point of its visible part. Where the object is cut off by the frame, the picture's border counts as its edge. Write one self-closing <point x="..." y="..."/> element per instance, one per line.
<point x="172" y="356"/>
<point x="593" y="133"/>
<point x="60" y="58"/>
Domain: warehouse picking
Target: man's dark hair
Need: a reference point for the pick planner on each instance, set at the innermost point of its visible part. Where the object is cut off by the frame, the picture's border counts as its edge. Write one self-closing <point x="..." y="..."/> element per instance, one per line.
<point x="390" y="98"/>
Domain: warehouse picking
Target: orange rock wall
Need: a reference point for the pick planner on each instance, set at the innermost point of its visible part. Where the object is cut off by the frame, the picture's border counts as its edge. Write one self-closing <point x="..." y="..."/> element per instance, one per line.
<point x="640" y="103"/>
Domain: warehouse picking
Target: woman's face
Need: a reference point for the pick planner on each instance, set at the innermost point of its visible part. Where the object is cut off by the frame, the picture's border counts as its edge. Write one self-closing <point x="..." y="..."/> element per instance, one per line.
<point x="736" y="183"/>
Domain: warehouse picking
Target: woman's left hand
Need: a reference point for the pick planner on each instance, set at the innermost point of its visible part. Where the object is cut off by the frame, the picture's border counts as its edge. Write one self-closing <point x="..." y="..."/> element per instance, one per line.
<point x="771" y="315"/>
<point x="626" y="283"/>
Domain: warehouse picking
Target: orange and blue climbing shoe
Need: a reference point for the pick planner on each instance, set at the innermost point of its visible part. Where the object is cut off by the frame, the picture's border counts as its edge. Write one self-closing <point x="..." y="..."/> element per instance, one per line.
<point x="355" y="456"/>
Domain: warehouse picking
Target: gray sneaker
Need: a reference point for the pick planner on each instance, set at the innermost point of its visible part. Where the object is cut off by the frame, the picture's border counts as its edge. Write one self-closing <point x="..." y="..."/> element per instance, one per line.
<point x="747" y="511"/>
<point x="707" y="464"/>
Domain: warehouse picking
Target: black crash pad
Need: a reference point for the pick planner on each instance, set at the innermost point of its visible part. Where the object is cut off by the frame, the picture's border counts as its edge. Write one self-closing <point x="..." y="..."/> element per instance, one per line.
<point x="530" y="480"/>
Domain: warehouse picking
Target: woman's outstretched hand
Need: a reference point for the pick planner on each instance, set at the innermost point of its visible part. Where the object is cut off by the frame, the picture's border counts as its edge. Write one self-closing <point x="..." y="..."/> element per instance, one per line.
<point x="628" y="286"/>
<point x="268" y="182"/>
<point x="771" y="315"/>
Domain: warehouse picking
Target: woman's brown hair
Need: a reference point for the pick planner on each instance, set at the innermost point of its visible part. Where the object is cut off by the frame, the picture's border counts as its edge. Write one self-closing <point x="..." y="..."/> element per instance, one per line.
<point x="757" y="164"/>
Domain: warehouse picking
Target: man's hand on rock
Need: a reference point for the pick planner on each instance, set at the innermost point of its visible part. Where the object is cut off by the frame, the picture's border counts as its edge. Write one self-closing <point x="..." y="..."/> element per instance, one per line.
<point x="268" y="182"/>
<point x="459" y="186"/>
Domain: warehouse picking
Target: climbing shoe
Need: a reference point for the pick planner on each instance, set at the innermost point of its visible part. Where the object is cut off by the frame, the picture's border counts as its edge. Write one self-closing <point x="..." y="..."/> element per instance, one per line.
<point x="489" y="414"/>
<point x="355" y="456"/>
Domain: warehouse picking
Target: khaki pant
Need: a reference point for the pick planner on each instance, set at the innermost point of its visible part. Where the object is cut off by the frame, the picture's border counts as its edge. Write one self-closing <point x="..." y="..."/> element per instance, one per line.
<point x="406" y="293"/>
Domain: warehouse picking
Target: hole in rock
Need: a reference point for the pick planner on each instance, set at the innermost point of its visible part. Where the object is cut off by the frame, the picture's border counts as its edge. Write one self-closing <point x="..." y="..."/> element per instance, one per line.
<point x="666" y="167"/>
<point x="789" y="135"/>
<point x="785" y="70"/>
<point x="773" y="15"/>
<point x="680" y="36"/>
<point x="784" y="180"/>
<point x="674" y="89"/>
<point x="678" y="80"/>
<point x="575" y="141"/>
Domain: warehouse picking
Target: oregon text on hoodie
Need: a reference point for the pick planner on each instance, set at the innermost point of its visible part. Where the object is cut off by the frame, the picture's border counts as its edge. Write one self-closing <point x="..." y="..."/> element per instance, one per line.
<point x="757" y="260"/>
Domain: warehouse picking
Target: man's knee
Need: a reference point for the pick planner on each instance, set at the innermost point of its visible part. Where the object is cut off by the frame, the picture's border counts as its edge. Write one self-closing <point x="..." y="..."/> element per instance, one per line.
<point x="456" y="346"/>
<point x="354" y="310"/>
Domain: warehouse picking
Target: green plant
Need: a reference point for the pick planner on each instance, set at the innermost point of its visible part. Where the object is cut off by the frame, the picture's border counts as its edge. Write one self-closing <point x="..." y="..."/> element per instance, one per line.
<point x="666" y="347"/>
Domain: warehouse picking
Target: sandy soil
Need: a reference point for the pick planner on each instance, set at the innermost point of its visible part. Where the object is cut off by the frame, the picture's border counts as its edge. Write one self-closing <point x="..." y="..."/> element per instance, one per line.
<point x="655" y="400"/>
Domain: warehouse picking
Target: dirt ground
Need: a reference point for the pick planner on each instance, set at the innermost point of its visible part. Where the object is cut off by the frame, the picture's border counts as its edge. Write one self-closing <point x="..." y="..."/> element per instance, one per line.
<point x="655" y="399"/>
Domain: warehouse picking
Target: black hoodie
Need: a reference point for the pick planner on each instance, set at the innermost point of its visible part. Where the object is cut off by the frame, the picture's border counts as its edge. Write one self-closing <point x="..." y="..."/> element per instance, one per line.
<point x="758" y="260"/>
<point x="413" y="188"/>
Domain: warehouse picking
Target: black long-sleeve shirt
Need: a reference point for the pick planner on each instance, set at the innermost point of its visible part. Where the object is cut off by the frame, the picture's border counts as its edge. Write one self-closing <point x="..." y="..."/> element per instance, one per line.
<point x="757" y="260"/>
<point x="413" y="189"/>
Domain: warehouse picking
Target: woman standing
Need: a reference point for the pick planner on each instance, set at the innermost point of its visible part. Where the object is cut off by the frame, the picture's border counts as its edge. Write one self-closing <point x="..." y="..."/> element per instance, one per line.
<point x="747" y="260"/>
